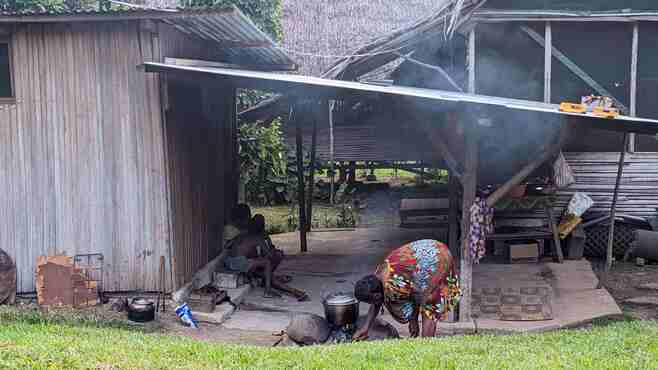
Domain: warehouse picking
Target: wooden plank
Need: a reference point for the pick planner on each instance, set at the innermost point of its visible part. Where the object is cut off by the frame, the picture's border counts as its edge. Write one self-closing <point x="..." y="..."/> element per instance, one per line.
<point x="634" y="60"/>
<point x="453" y="214"/>
<point x="548" y="55"/>
<point x="613" y="209"/>
<point x="332" y="164"/>
<point x="521" y="235"/>
<point x="311" y="175"/>
<point x="556" y="235"/>
<point x="408" y="204"/>
<point x="300" y="188"/>
<point x="471" y="61"/>
<point x="469" y="185"/>
<point x="573" y="67"/>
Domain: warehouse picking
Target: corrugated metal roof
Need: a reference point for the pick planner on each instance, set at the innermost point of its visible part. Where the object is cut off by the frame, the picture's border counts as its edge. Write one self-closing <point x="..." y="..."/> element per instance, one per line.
<point x="237" y="35"/>
<point x="285" y="82"/>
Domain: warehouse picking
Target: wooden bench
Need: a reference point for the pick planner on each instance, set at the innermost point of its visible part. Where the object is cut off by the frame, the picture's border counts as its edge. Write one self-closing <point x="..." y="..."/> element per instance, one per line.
<point x="432" y="210"/>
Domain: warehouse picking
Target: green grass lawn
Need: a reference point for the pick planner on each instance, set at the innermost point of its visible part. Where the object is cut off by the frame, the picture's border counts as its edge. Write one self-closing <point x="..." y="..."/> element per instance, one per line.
<point x="29" y="341"/>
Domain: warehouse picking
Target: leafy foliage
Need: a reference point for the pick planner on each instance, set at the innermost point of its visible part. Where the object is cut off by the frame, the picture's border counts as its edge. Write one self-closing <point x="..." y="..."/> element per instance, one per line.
<point x="264" y="163"/>
<point x="42" y="6"/>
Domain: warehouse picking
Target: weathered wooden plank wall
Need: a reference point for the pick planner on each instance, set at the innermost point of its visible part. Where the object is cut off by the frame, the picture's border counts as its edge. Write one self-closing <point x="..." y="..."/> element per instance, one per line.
<point x="198" y="138"/>
<point x="202" y="156"/>
<point x="81" y="153"/>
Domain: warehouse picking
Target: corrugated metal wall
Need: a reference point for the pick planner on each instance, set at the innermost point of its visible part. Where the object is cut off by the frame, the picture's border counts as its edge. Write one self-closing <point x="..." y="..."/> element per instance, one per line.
<point x="81" y="152"/>
<point x="596" y="173"/>
<point x="202" y="157"/>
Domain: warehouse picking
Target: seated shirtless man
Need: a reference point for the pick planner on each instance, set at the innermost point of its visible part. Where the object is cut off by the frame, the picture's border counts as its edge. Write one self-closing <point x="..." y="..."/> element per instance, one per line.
<point x="254" y="253"/>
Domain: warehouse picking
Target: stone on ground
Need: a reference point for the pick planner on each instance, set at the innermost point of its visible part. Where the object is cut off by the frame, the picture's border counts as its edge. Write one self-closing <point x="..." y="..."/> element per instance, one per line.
<point x="308" y="329"/>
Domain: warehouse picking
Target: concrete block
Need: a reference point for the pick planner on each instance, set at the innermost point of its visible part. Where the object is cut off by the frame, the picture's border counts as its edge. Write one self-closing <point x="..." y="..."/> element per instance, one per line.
<point x="228" y="280"/>
<point x="224" y="311"/>
<point x="219" y="316"/>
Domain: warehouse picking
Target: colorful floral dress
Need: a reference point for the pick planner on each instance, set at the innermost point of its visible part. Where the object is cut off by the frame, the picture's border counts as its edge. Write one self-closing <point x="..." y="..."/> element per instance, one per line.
<point x="426" y="269"/>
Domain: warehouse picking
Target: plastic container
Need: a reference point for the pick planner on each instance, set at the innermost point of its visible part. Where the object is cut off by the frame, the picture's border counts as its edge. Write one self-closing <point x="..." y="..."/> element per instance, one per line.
<point x="185" y="315"/>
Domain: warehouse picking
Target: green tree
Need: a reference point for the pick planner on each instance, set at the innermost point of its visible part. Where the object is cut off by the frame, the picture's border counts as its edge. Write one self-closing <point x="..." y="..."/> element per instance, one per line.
<point x="264" y="163"/>
<point x="53" y="6"/>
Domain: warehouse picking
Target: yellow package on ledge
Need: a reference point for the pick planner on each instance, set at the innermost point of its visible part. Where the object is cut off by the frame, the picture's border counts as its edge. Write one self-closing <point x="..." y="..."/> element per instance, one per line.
<point x="573" y="107"/>
<point x="606" y="112"/>
<point x="569" y="222"/>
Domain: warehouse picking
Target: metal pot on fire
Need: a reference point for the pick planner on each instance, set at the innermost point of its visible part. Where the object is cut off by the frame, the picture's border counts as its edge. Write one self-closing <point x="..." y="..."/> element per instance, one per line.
<point x="341" y="309"/>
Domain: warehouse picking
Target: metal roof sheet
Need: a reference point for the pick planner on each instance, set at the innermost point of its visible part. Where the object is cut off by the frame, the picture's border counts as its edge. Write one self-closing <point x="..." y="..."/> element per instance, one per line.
<point x="239" y="38"/>
<point x="286" y="82"/>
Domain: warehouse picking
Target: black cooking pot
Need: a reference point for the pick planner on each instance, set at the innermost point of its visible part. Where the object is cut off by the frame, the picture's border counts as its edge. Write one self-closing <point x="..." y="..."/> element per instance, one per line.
<point x="341" y="309"/>
<point x="141" y="310"/>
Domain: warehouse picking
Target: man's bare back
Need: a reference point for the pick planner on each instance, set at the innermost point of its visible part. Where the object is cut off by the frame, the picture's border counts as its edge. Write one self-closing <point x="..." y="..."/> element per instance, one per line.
<point x="249" y="246"/>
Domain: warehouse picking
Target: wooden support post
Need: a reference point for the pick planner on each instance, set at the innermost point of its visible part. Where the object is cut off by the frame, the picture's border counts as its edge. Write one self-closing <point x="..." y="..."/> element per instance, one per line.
<point x="351" y="176"/>
<point x="469" y="185"/>
<point x="300" y="189"/>
<point x="548" y="59"/>
<point x="556" y="235"/>
<point x="613" y="209"/>
<point x="422" y="173"/>
<point x="471" y="61"/>
<point x="453" y="214"/>
<point x="634" y="60"/>
<point x="469" y="188"/>
<point x="311" y="175"/>
<point x="332" y="165"/>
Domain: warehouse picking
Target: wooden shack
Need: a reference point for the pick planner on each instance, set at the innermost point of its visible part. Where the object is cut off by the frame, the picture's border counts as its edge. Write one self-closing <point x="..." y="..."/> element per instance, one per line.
<point x="99" y="157"/>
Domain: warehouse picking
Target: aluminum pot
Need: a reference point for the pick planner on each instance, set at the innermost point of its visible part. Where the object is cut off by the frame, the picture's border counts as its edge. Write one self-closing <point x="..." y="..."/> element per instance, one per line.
<point x="141" y="310"/>
<point x="341" y="309"/>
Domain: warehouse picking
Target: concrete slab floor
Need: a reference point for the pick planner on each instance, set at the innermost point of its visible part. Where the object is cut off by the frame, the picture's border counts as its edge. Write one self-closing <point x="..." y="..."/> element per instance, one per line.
<point x="337" y="259"/>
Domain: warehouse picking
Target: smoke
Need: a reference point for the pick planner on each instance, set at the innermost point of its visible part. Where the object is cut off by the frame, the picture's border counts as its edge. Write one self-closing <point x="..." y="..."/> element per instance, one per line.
<point x="509" y="65"/>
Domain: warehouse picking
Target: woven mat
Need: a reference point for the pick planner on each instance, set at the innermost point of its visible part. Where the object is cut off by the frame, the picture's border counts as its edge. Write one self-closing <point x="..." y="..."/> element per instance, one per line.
<point x="513" y="304"/>
<point x="524" y="204"/>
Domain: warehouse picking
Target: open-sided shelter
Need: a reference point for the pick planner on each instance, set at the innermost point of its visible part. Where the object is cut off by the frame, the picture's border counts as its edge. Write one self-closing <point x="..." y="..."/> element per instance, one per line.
<point x="482" y="139"/>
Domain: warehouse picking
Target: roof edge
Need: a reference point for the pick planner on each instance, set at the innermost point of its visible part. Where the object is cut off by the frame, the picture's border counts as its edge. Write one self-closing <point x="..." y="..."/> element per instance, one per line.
<point x="115" y="15"/>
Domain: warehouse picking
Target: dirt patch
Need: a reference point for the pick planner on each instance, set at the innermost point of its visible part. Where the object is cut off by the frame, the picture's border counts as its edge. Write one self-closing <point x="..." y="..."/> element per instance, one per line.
<point x="624" y="282"/>
<point x="166" y="323"/>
